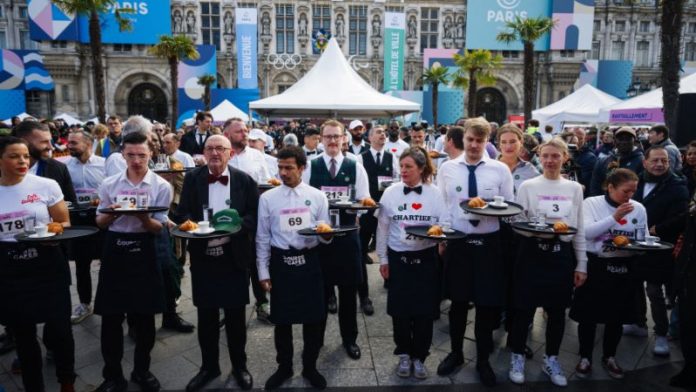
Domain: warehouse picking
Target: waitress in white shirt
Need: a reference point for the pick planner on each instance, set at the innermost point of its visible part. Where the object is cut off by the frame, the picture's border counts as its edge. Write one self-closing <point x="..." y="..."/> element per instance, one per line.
<point x="408" y="262"/>
<point x="34" y="278"/>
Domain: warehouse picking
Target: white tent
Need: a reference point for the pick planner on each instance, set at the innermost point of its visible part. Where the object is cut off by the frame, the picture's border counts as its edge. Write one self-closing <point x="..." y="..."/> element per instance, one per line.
<point x="645" y="108"/>
<point x="331" y="89"/>
<point x="21" y="116"/>
<point x="70" y="120"/>
<point x="226" y="110"/>
<point x="581" y="106"/>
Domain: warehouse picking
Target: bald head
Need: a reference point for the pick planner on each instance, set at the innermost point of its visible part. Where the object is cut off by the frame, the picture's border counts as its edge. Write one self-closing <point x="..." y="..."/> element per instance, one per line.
<point x="170" y="143"/>
<point x="215" y="139"/>
<point x="217" y="153"/>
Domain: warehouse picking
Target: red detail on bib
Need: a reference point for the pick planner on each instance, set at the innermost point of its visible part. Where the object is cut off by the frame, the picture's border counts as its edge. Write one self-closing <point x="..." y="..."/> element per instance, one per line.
<point x="623" y="221"/>
<point x="393" y="149"/>
<point x="416" y="206"/>
<point x="31" y="198"/>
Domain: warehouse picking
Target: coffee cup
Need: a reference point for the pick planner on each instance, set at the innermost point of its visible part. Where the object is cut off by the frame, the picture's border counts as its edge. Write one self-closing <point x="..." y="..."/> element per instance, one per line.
<point x="203" y="226"/>
<point x="498" y="200"/>
<point x="344" y="199"/>
<point x="446" y="228"/>
<point x="41" y="230"/>
<point x="651" y="239"/>
<point x="125" y="204"/>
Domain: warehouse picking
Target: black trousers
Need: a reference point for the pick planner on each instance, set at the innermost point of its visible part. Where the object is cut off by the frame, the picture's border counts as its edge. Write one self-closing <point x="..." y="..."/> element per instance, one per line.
<point x="172" y="271"/>
<point x="112" y="343"/>
<point x="687" y="322"/>
<point x="368" y="229"/>
<point x="487" y="318"/>
<point x="209" y="337"/>
<point x="311" y="335"/>
<point x="83" y="276"/>
<point x="413" y="336"/>
<point x="29" y="353"/>
<point x="586" y="336"/>
<point x="347" y="312"/>
<point x="555" y="326"/>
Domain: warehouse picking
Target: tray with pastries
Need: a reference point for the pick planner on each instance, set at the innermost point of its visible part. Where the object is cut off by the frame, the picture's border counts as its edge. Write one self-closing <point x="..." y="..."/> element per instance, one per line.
<point x="487" y="207"/>
<point x="434" y="232"/>
<point x="270" y="184"/>
<point x="621" y="242"/>
<point x="554" y="229"/>
<point x="365" y="204"/>
<point x="190" y="229"/>
<point x="323" y="228"/>
<point x="56" y="232"/>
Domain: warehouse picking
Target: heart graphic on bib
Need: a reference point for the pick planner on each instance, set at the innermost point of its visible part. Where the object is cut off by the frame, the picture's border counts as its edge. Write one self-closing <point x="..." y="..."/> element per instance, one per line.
<point x="416" y="206"/>
<point x="623" y="221"/>
<point x="393" y="149"/>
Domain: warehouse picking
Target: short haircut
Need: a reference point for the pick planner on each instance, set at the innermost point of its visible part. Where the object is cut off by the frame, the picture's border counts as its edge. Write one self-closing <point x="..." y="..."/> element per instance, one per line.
<point x="136" y="138"/>
<point x="332" y="123"/>
<point x="311" y="131"/>
<point x="376" y="127"/>
<point x="556" y="142"/>
<point x="509" y="128"/>
<point x="136" y="124"/>
<point x="456" y="135"/>
<point x="646" y="154"/>
<point x="290" y="140"/>
<point x="661" y="129"/>
<point x="175" y="136"/>
<point x="620" y="176"/>
<point x="548" y="128"/>
<point x="533" y="123"/>
<point x="200" y="116"/>
<point x="114" y="117"/>
<point x="422" y="159"/>
<point x="231" y="120"/>
<point x="86" y="136"/>
<point x="478" y="126"/>
<point x="100" y="130"/>
<point x="417" y="128"/>
<point x="7" y="141"/>
<point x="692" y="144"/>
<point x="26" y="127"/>
<point x="293" y="152"/>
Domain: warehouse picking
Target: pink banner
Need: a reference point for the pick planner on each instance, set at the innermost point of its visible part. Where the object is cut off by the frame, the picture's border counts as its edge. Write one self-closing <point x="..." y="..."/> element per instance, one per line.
<point x="637" y="116"/>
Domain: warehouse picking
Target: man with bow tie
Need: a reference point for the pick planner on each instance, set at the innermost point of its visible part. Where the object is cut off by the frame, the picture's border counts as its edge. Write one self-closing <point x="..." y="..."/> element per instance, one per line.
<point x="219" y="277"/>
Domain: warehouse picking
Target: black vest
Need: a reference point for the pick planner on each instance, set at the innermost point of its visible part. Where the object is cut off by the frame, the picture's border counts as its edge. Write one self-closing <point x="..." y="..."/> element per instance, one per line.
<point x="374" y="171"/>
<point x="345" y="176"/>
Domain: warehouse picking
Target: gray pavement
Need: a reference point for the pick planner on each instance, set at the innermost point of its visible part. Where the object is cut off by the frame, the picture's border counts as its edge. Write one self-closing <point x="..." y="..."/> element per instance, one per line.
<point x="176" y="357"/>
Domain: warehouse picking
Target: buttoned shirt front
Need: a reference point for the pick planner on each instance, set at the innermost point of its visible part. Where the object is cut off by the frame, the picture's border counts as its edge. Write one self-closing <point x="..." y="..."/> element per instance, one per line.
<point x="219" y="193"/>
<point x="86" y="177"/>
<point x="251" y="162"/>
<point x="115" y="164"/>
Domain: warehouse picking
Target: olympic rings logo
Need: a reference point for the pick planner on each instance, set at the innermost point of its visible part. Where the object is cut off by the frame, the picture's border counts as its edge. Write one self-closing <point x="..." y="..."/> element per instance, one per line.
<point x="284" y="60"/>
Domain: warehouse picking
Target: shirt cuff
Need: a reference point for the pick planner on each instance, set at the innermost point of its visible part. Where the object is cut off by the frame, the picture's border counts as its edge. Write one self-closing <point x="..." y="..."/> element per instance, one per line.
<point x="263" y="273"/>
<point x="581" y="266"/>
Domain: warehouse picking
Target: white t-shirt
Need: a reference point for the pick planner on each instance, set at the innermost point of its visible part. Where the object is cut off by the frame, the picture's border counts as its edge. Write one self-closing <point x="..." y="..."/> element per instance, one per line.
<point x="31" y="196"/>
<point x="184" y="158"/>
<point x="396" y="148"/>
<point x="600" y="225"/>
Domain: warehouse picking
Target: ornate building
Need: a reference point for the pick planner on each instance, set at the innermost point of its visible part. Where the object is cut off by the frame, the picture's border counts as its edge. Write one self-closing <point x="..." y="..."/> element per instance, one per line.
<point x="138" y="83"/>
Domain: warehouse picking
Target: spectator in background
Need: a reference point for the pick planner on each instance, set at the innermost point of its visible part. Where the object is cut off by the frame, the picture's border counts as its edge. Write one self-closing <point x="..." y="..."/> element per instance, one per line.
<point x="607" y="145"/>
<point x="548" y="133"/>
<point x="113" y="141"/>
<point x="533" y="129"/>
<point x="627" y="156"/>
<point x="689" y="167"/>
<point x="494" y="132"/>
<point x="585" y="159"/>
<point x="290" y="140"/>
<point x="100" y="132"/>
<point x="658" y="136"/>
<point x="528" y="151"/>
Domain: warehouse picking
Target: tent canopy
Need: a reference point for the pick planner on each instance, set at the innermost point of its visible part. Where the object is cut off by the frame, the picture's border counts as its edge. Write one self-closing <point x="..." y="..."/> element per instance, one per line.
<point x="331" y="89"/>
<point x="583" y="105"/>
<point x="226" y="110"/>
<point x="70" y="120"/>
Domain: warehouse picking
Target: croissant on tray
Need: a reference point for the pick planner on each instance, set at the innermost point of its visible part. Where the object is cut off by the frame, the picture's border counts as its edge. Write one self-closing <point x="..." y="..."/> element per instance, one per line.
<point x="368" y="202"/>
<point x="176" y="166"/>
<point x="323" y="228"/>
<point x="560" y="227"/>
<point x="189" y="225"/>
<point x="435" y="231"/>
<point x="55" y="227"/>
<point x="620" y="240"/>
<point x="477" y="202"/>
<point x="274" y="181"/>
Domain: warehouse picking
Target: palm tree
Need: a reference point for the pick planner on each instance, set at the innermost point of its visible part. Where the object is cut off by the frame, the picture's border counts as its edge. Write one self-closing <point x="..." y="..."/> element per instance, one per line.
<point x="92" y="9"/>
<point x="670" y="37"/>
<point x="475" y="66"/>
<point x="174" y="49"/>
<point x="528" y="31"/>
<point x="434" y="76"/>
<point x="206" y="81"/>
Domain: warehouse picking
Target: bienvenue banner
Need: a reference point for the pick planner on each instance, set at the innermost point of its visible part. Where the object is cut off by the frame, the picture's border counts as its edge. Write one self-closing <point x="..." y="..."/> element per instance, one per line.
<point x="246" y="20"/>
<point x="394" y="33"/>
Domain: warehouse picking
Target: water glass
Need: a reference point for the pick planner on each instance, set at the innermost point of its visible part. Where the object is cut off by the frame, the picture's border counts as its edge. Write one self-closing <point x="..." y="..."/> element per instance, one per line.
<point x="29" y="221"/>
<point x="207" y="213"/>
<point x="541" y="218"/>
<point x="334" y="218"/>
<point x="143" y="201"/>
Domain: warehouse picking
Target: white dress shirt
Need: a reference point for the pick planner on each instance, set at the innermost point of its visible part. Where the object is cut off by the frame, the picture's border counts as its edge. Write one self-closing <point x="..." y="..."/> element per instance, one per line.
<point x="493" y="178"/>
<point x="355" y="149"/>
<point x="395" y="160"/>
<point x="362" y="186"/>
<point x="219" y="194"/>
<point x="251" y="162"/>
<point x="396" y="147"/>
<point x="86" y="177"/>
<point x="272" y="165"/>
<point x="115" y="164"/>
<point x="185" y="158"/>
<point x="158" y="191"/>
<point x="276" y="207"/>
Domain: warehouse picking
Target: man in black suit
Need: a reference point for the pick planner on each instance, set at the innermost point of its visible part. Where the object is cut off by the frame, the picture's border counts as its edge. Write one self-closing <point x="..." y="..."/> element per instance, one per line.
<point x="219" y="266"/>
<point x="193" y="141"/>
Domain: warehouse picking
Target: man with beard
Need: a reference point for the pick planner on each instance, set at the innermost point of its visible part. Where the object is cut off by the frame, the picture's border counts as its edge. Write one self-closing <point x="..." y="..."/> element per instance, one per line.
<point x="625" y="156"/>
<point x="395" y="145"/>
<point x="357" y="144"/>
<point x="171" y="143"/>
<point x="112" y="143"/>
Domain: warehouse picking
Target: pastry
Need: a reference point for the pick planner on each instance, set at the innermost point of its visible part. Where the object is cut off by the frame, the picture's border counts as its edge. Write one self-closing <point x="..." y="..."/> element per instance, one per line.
<point x="274" y="181"/>
<point x="176" y="166"/>
<point x="324" y="228"/>
<point x="94" y="202"/>
<point x="560" y="227"/>
<point x="435" y="231"/>
<point x="621" y="240"/>
<point x="189" y="225"/>
<point x="434" y="154"/>
<point x="368" y="202"/>
<point x="55" y="227"/>
<point x="477" y="202"/>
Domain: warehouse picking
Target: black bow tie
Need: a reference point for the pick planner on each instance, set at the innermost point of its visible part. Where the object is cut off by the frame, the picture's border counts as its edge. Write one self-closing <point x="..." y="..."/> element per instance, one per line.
<point x="222" y="179"/>
<point x="311" y="153"/>
<point x="418" y="189"/>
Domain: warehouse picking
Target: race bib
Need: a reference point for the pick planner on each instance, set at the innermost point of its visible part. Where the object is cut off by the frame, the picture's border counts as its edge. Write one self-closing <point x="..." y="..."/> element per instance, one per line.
<point x="335" y="192"/>
<point x="12" y="223"/>
<point x="294" y="219"/>
<point x="408" y="238"/>
<point x="136" y="198"/>
<point x="381" y="180"/>
<point x="85" y="195"/>
<point x="556" y="207"/>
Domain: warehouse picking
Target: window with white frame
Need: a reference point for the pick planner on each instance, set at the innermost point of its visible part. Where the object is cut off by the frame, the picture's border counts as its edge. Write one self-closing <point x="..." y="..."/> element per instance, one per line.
<point x="691" y="28"/>
<point x="690" y="51"/>
<point x="285" y="28"/>
<point x="210" y="24"/>
<point x="25" y="41"/>
<point x="3" y="40"/>
<point x="596" y="50"/>
<point x="430" y="25"/>
<point x="620" y="26"/>
<point x="22" y="12"/>
<point x="567" y="53"/>
<point x="321" y="17"/>
<point x="644" y="26"/>
<point x="510" y="54"/>
<point x="597" y="26"/>
<point x="617" y="50"/>
<point x="643" y="54"/>
<point x="357" y="30"/>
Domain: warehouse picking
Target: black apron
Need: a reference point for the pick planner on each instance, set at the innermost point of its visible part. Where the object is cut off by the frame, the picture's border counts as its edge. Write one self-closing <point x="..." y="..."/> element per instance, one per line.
<point x="130" y="278"/>
<point x="217" y="280"/>
<point x="414" y="290"/>
<point x="543" y="273"/>
<point x="340" y="261"/>
<point x="474" y="270"/>
<point x="88" y="246"/>
<point x="609" y="293"/>
<point x="297" y="292"/>
<point x="34" y="283"/>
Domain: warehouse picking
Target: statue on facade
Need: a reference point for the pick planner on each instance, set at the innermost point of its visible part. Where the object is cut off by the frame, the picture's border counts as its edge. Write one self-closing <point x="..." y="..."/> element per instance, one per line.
<point x="447" y="27"/>
<point x="265" y="24"/>
<point x="376" y="26"/>
<point x="302" y="24"/>
<point x="460" y="27"/>
<point x="177" y="22"/>
<point x="190" y="22"/>
<point x="412" y="27"/>
<point x="340" y="24"/>
<point x="228" y="23"/>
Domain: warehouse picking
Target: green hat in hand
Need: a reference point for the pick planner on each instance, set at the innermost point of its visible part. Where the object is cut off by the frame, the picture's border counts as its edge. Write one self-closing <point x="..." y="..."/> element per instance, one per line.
<point x="227" y="220"/>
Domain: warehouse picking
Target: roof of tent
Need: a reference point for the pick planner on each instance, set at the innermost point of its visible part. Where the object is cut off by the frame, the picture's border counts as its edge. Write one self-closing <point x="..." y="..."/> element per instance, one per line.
<point x="582" y="105"/>
<point x="226" y="110"/>
<point x="332" y="88"/>
<point x="70" y="120"/>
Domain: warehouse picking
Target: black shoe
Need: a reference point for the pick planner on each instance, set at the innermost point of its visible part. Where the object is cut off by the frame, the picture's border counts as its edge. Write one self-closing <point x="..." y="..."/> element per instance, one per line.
<point x="528" y="353"/>
<point x="8" y="345"/>
<point x="278" y="378"/>
<point x="368" y="260"/>
<point x="315" y="378"/>
<point x="683" y="379"/>
<point x="120" y="385"/>
<point x="201" y="379"/>
<point x="244" y="379"/>
<point x="131" y="333"/>
<point x="352" y="350"/>
<point x="486" y="373"/>
<point x="331" y="306"/>
<point x="147" y="381"/>
<point x="451" y="362"/>
<point x="367" y="308"/>
<point x="174" y="322"/>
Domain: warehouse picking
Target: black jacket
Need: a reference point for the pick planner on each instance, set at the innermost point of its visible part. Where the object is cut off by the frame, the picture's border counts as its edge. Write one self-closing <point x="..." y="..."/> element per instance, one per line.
<point x="634" y="162"/>
<point x="189" y="142"/>
<point x="665" y="205"/>
<point x="586" y="160"/>
<point x="55" y="170"/>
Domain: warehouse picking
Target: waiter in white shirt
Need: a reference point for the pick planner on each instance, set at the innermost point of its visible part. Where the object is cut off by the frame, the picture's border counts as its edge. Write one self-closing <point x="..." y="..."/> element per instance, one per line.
<point x="257" y="140"/>
<point x="334" y="174"/>
<point x="474" y="266"/>
<point x="311" y="142"/>
<point x="171" y="143"/>
<point x="288" y="265"/>
<point x="130" y="278"/>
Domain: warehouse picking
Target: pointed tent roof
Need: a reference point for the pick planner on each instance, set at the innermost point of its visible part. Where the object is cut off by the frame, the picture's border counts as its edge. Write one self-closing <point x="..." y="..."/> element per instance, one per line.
<point x="332" y="88"/>
<point x="70" y="120"/>
<point x="583" y="105"/>
<point x="226" y="110"/>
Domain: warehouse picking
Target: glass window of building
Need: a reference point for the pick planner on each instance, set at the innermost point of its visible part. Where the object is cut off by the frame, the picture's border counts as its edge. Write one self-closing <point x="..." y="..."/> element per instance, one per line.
<point x="597" y="26"/>
<point x="620" y="26"/>
<point x="357" y="30"/>
<point x="642" y="54"/>
<point x="33" y="96"/>
<point x="22" y="12"/>
<point x="66" y="92"/>
<point x="567" y="53"/>
<point x="59" y="44"/>
<point x="3" y="40"/>
<point x="285" y="28"/>
<point x="2" y="12"/>
<point x="510" y="54"/>
<point x="25" y="41"/>
<point x="617" y="50"/>
<point x="321" y="17"/>
<point x="210" y="23"/>
<point x="690" y="51"/>
<point x="430" y="25"/>
<point x="644" y="26"/>
<point x="123" y="47"/>
<point x="691" y="28"/>
<point x="596" y="49"/>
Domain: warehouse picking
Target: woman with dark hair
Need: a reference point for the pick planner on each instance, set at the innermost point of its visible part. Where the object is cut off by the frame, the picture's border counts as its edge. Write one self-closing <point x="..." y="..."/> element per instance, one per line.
<point x="34" y="278"/>
<point x="408" y="262"/>
<point x="609" y="293"/>
<point x="689" y="166"/>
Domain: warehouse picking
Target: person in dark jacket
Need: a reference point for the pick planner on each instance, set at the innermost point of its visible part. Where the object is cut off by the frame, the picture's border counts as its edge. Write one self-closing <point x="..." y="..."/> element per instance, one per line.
<point x="626" y="156"/>
<point x="689" y="167"/>
<point x="585" y="159"/>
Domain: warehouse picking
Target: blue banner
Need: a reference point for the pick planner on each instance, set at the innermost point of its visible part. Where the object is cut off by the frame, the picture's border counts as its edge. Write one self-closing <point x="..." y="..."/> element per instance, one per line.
<point x="486" y="18"/>
<point x="149" y="19"/>
<point x="246" y="21"/>
<point x="615" y="76"/>
<point x="13" y="103"/>
<point x="36" y="77"/>
<point x="47" y="22"/>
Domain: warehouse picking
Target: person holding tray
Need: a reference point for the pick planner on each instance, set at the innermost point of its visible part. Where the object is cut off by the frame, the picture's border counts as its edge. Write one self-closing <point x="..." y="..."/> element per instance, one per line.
<point x="289" y="268"/>
<point x="410" y="263"/>
<point x="34" y="278"/>
<point x="608" y="296"/>
<point x="547" y="268"/>
<point x="219" y="276"/>
<point x="130" y="278"/>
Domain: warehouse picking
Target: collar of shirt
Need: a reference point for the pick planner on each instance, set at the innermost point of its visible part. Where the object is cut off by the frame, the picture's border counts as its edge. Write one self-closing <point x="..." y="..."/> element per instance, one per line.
<point x="338" y="158"/>
<point x="374" y="152"/>
<point x="287" y="191"/>
<point x="225" y="173"/>
<point x="147" y="180"/>
<point x="462" y="159"/>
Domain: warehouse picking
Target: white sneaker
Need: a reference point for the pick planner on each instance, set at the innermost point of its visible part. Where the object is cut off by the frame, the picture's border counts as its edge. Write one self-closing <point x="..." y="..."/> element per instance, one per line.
<point x="516" y="373"/>
<point x="553" y="369"/>
<point x="419" y="370"/>
<point x="404" y="368"/>
<point x="661" y="347"/>
<point x="635" y="330"/>
<point x="81" y="312"/>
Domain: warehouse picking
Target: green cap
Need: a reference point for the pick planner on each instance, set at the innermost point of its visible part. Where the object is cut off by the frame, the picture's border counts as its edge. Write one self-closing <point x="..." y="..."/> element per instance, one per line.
<point x="227" y="220"/>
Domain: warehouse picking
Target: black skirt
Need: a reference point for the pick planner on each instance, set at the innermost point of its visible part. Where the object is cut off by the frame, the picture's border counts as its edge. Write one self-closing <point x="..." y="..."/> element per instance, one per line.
<point x="414" y="290"/>
<point x="297" y="292"/>
<point x="218" y="279"/>
<point x="341" y="260"/>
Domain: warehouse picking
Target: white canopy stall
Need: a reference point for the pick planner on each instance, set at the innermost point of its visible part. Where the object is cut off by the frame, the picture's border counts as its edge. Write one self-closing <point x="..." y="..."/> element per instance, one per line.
<point x="226" y="110"/>
<point x="70" y="120"/>
<point x="583" y="105"/>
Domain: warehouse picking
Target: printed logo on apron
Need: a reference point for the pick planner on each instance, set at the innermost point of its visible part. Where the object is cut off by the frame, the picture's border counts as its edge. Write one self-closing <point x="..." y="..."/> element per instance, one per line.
<point x="134" y="246"/>
<point x="214" y="251"/>
<point x="546" y="247"/>
<point x="617" y="269"/>
<point x="406" y="260"/>
<point x="474" y="241"/>
<point x="294" y="261"/>
<point x="26" y="255"/>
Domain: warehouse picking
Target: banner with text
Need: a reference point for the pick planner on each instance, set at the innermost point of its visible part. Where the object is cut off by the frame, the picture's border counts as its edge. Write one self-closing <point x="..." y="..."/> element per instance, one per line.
<point x="394" y="33"/>
<point x="246" y="20"/>
<point x="486" y="18"/>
